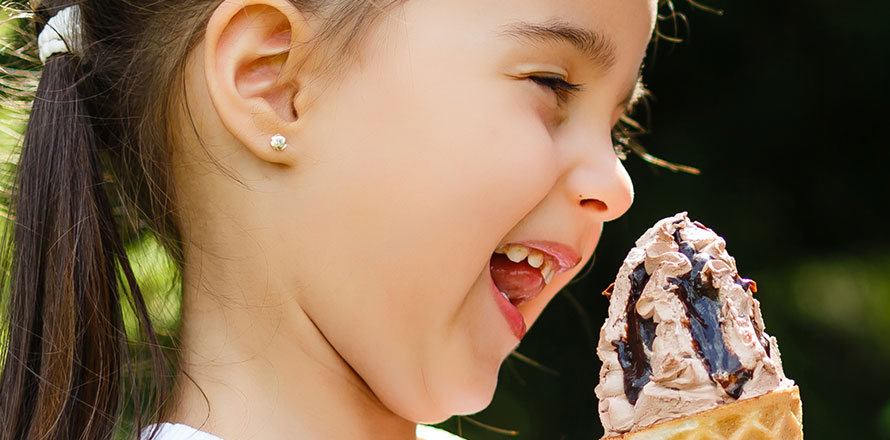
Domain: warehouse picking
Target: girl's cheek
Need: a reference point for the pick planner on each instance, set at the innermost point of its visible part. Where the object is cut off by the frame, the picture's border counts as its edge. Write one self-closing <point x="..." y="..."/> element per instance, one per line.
<point x="548" y="114"/>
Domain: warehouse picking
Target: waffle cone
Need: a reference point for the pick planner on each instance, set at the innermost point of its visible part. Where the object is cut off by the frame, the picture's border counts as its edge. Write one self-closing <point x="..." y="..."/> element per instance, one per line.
<point x="772" y="416"/>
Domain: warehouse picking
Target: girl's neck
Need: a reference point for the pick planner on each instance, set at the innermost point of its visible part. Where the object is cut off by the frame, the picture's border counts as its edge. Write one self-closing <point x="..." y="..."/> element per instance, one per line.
<point x="267" y="371"/>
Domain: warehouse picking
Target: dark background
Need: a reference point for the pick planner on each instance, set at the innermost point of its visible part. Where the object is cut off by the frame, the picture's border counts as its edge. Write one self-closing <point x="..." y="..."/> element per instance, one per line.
<point x="782" y="106"/>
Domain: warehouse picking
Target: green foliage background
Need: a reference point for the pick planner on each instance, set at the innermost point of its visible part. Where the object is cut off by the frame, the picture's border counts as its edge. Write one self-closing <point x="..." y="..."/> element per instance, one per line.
<point x="781" y="104"/>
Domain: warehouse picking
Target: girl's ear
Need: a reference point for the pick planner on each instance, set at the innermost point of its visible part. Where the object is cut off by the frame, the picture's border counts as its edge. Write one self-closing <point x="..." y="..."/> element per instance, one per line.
<point x="253" y="52"/>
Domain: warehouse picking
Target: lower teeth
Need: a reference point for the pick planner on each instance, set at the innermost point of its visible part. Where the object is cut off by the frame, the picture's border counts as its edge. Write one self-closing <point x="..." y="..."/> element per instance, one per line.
<point x="505" y="296"/>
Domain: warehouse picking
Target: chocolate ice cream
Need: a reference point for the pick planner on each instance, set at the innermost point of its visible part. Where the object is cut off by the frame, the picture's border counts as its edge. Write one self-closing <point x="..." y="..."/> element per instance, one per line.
<point x="684" y="333"/>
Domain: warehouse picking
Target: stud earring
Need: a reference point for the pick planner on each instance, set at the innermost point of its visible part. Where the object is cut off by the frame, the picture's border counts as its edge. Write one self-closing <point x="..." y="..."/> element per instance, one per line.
<point x="278" y="142"/>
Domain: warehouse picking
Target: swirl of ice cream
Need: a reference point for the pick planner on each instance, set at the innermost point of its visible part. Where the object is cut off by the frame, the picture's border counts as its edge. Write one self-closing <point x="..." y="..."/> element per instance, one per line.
<point x="684" y="333"/>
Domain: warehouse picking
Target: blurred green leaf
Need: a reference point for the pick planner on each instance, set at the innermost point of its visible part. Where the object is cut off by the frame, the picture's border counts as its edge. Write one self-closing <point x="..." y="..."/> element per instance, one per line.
<point x="156" y="274"/>
<point x="848" y="295"/>
<point x="884" y="421"/>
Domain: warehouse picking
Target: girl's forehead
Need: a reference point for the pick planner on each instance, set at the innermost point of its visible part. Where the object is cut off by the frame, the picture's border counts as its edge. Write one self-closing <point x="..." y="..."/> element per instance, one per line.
<point x="592" y="23"/>
<point x="600" y="36"/>
<point x="603" y="12"/>
<point x="605" y="32"/>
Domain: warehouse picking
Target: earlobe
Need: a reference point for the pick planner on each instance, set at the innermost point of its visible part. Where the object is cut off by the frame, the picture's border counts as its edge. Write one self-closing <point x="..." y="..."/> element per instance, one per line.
<point x="251" y="62"/>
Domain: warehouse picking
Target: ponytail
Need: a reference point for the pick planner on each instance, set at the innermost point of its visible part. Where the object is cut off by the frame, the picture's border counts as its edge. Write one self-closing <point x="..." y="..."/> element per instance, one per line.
<point x="64" y="273"/>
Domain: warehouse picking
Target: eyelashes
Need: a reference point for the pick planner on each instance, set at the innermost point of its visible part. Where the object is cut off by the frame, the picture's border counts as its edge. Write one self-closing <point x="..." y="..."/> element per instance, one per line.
<point x="563" y="89"/>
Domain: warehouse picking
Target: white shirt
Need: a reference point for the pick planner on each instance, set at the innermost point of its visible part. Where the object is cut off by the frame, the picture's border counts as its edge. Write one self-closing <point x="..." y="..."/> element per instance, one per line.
<point x="177" y="431"/>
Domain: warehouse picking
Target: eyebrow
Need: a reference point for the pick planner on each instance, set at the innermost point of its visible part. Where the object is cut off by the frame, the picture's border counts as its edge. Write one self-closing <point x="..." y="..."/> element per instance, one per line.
<point x="596" y="46"/>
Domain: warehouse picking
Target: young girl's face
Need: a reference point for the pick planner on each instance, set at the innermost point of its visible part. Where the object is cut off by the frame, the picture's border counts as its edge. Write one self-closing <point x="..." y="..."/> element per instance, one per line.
<point x="433" y="151"/>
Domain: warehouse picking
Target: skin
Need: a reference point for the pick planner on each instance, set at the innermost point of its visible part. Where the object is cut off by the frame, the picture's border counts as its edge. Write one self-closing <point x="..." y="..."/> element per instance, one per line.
<point x="342" y="290"/>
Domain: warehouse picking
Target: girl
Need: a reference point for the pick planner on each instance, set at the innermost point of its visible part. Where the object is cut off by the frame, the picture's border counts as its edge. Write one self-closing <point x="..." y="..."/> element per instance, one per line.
<point x="369" y="203"/>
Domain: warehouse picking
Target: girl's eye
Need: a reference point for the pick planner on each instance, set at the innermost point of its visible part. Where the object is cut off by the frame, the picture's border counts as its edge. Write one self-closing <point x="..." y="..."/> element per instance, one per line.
<point x="561" y="87"/>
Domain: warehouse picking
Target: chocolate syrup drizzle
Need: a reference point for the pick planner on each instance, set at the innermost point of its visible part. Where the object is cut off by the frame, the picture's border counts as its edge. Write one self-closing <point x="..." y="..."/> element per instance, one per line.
<point x="702" y="304"/>
<point x="640" y="331"/>
<point x="703" y="312"/>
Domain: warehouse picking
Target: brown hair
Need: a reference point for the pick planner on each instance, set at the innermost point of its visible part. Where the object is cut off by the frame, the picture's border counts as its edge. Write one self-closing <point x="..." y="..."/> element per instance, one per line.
<point x="66" y="273"/>
<point x="95" y="155"/>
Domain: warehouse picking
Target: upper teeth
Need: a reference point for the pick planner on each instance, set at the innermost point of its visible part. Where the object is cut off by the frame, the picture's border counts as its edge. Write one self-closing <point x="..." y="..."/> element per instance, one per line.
<point x="517" y="252"/>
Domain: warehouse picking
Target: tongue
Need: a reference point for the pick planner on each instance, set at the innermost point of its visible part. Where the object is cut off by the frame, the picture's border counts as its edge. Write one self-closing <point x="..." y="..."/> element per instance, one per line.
<point x="518" y="280"/>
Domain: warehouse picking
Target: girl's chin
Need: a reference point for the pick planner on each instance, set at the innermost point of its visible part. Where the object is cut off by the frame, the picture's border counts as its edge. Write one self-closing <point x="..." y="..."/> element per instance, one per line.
<point x="453" y="398"/>
<point x="432" y="419"/>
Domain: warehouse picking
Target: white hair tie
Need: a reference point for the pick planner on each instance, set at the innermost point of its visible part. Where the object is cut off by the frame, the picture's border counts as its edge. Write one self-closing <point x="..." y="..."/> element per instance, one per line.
<point x="61" y="34"/>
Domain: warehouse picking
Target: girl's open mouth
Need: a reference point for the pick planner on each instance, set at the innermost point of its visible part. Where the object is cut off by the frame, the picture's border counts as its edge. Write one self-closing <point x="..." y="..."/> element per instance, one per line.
<point x="520" y="271"/>
<point x="519" y="281"/>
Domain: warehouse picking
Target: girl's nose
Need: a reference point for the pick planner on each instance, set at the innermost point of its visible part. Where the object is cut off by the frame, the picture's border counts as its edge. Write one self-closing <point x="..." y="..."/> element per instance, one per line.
<point x="597" y="181"/>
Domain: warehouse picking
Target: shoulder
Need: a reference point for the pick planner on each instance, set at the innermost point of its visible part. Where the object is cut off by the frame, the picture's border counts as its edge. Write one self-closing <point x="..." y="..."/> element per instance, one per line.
<point x="176" y="431"/>
<point x="425" y="432"/>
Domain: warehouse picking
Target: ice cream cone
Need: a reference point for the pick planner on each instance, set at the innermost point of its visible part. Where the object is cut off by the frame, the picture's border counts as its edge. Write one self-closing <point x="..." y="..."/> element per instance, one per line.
<point x="685" y="350"/>
<point x="772" y="416"/>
